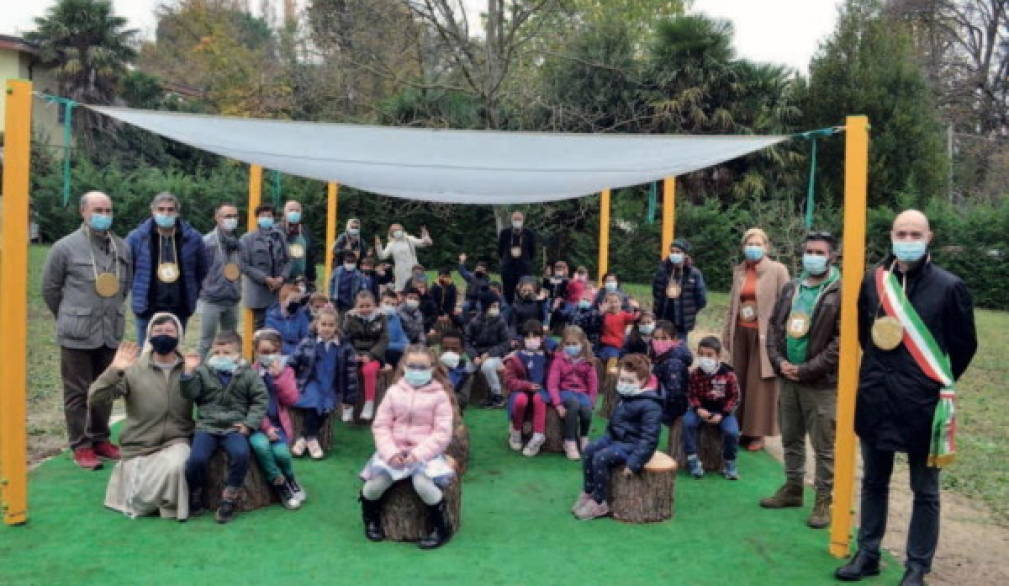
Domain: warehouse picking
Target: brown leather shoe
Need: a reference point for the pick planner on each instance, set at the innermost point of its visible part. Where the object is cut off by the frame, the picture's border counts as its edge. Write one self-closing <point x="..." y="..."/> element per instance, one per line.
<point x="86" y="458"/>
<point x="107" y="450"/>
<point x="819" y="517"/>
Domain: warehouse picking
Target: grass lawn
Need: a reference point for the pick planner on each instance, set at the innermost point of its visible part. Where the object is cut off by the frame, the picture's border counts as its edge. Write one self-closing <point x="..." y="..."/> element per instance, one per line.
<point x="979" y="471"/>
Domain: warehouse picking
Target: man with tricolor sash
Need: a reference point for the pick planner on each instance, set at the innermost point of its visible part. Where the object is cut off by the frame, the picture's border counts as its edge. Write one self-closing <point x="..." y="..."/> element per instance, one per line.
<point x="916" y="328"/>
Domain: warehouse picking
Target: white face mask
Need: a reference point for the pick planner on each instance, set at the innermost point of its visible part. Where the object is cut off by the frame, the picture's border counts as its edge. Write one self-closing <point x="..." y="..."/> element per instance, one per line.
<point x="349" y="266"/>
<point x="388" y="309"/>
<point x="412" y="304"/>
<point x="517" y="224"/>
<point x="707" y="364"/>
<point x="493" y="312"/>
<point x="450" y="359"/>
<point x="628" y="389"/>
<point x="229" y="224"/>
<point x="397" y="234"/>
<point x="533" y="344"/>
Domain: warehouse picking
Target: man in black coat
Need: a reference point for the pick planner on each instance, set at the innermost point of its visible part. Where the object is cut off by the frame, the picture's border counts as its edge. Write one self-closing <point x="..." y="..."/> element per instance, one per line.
<point x="678" y="289"/>
<point x="516" y="246"/>
<point x="896" y="400"/>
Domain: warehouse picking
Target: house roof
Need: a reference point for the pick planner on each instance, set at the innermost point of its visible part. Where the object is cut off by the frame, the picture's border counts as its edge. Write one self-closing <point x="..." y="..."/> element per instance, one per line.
<point x="12" y="43"/>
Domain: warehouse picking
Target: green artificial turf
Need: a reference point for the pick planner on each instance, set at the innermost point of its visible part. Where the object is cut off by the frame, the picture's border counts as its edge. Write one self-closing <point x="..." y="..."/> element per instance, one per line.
<point x="516" y="529"/>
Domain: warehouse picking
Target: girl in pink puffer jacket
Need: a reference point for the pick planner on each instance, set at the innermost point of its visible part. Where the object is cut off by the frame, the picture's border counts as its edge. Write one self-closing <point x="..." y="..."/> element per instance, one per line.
<point x="412" y="429"/>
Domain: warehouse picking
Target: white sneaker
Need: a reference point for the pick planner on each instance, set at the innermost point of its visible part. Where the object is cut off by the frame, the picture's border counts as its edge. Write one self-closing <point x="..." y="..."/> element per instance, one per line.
<point x="369" y="411"/>
<point x="314" y="449"/>
<point x="583" y="442"/>
<point x="571" y="450"/>
<point x="298" y="449"/>
<point x="535" y="443"/>
<point x="515" y="439"/>
<point x="348" y="413"/>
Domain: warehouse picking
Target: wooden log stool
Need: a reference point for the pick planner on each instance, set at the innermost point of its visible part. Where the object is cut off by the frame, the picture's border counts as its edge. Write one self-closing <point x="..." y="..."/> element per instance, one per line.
<point x="709" y="445"/>
<point x="645" y="497"/>
<point x="554" y="433"/>
<point x="608" y="389"/>
<point x="255" y="493"/>
<point x="479" y="390"/>
<point x="325" y="432"/>
<point x="382" y="382"/>
<point x="404" y="515"/>
<point x="458" y="449"/>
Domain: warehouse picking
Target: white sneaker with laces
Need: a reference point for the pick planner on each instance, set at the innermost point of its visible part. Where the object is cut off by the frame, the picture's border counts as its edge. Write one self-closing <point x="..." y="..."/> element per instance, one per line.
<point x="515" y="439"/>
<point x="314" y="449"/>
<point x="348" y="413"/>
<point x="368" y="411"/>
<point x="298" y="449"/>
<point x="583" y="442"/>
<point x="571" y="450"/>
<point x="535" y="443"/>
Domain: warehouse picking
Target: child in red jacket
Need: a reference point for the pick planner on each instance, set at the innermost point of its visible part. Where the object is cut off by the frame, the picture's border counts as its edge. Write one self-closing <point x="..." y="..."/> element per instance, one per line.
<point x="614" y="324"/>
<point x="712" y="394"/>
<point x="573" y="384"/>
<point x="525" y="378"/>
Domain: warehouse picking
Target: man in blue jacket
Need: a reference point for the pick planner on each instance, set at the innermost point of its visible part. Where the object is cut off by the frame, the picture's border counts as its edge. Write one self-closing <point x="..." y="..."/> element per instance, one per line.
<point x="169" y="264"/>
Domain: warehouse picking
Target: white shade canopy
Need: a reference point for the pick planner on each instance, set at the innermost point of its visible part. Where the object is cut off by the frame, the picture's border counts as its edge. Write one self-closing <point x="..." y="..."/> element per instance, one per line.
<point x="449" y="166"/>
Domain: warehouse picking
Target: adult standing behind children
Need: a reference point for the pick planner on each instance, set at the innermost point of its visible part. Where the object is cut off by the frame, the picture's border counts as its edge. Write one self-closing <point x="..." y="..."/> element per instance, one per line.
<point x="678" y="290"/>
<point x="802" y="343"/>
<point x="300" y="249"/>
<point x="402" y="247"/>
<point x="263" y="256"/>
<point x="84" y="284"/>
<point x="916" y="328"/>
<point x="351" y="240"/>
<point x="516" y="247"/>
<point x="169" y="264"/>
<point x="219" y="297"/>
<point x="756" y="284"/>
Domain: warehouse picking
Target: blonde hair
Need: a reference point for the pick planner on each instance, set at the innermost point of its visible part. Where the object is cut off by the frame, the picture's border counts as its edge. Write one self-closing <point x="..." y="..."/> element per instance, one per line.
<point x="438" y="372"/>
<point x="758" y="233"/>
<point x="575" y="333"/>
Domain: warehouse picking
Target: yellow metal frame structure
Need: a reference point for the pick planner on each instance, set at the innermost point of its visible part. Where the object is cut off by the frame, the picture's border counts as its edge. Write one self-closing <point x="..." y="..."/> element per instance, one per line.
<point x="668" y="214"/>
<point x="332" y="206"/>
<point x="14" y="306"/>
<point x="255" y="197"/>
<point x="604" y="234"/>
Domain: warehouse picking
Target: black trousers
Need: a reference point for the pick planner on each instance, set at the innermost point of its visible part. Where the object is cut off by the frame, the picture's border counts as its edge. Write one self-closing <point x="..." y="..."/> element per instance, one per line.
<point x="79" y="368"/>
<point x="511" y="272"/>
<point x="923" y="535"/>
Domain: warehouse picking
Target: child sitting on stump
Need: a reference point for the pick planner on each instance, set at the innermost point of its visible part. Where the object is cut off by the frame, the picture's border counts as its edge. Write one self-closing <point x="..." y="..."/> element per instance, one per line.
<point x="366" y="327"/>
<point x="525" y="376"/>
<point x="230" y="403"/>
<point x="573" y="384"/>
<point x="630" y="438"/>
<point x="270" y="442"/>
<point x="412" y="429"/>
<point x="326" y="367"/>
<point x="712" y="395"/>
<point x="457" y="364"/>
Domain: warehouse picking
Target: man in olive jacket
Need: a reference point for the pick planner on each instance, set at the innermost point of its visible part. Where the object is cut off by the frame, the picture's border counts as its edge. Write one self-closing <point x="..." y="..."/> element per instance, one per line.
<point x="89" y="323"/>
<point x="802" y="343"/>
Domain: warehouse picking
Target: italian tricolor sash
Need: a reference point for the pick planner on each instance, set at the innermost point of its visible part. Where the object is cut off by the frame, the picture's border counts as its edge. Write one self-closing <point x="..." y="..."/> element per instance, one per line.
<point x="932" y="361"/>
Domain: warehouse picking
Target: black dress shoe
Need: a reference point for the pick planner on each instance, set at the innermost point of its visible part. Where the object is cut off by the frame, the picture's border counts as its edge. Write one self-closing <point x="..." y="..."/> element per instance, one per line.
<point x="913" y="576"/>
<point x="860" y="566"/>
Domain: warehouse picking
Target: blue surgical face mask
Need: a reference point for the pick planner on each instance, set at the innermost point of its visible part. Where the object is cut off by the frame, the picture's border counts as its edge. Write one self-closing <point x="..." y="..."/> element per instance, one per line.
<point x="909" y="250"/>
<point x="627" y="389"/>
<point x="294" y="217"/>
<point x="814" y="264"/>
<point x="584" y="304"/>
<point x="100" y="222"/>
<point x="676" y="258"/>
<point x="229" y="224"/>
<point x="753" y="253"/>
<point x="572" y="350"/>
<point x="353" y="231"/>
<point x="223" y="363"/>
<point x="610" y="285"/>
<point x="265" y="222"/>
<point x="164" y="220"/>
<point x="417" y="378"/>
<point x="646" y="329"/>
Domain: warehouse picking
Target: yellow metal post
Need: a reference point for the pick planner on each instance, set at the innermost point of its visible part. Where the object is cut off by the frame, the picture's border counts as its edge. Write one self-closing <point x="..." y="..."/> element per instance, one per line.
<point x="332" y="203"/>
<point x="668" y="214"/>
<point x="604" y="233"/>
<point x="255" y="197"/>
<point x="856" y="174"/>
<point x="14" y="309"/>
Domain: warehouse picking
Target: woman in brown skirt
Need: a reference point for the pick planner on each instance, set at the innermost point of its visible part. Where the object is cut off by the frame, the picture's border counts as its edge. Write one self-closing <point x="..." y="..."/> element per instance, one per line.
<point x="756" y="283"/>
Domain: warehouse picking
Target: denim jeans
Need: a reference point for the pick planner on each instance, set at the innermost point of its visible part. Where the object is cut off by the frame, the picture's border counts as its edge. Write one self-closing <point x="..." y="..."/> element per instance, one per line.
<point x="234" y="444"/>
<point x="728" y="426"/>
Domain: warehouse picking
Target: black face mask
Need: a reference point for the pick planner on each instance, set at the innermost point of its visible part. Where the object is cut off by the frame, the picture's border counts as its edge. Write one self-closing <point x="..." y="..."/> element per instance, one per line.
<point x="164" y="344"/>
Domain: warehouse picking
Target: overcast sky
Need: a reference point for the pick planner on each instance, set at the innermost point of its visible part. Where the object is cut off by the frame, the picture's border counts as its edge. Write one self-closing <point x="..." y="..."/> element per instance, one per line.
<point x="777" y="31"/>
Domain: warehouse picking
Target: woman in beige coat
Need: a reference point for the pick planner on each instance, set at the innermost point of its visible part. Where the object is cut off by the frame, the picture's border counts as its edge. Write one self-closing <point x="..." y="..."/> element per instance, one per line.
<point x="756" y="283"/>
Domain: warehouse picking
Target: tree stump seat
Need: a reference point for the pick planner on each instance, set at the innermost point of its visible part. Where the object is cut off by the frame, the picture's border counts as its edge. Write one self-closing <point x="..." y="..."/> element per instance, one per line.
<point x="255" y="493"/>
<point x="404" y="515"/>
<point x="645" y="497"/>
<point x="709" y="445"/>
<point x="325" y="432"/>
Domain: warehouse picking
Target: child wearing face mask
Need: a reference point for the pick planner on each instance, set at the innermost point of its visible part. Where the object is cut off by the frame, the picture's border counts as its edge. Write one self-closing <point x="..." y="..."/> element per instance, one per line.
<point x="639" y="339"/>
<point x="488" y="339"/>
<point x="530" y="304"/>
<point x="712" y="393"/>
<point x="457" y="364"/>
<point x="412" y="429"/>
<point x="422" y="303"/>
<point x="525" y="376"/>
<point x="270" y="443"/>
<point x="230" y="404"/>
<point x="611" y="285"/>
<point x="289" y="316"/>
<point x="326" y="367"/>
<point x="411" y="316"/>
<point x="671" y="361"/>
<point x="573" y="384"/>
<point x="366" y="328"/>
<point x="613" y="323"/>
<point x="630" y="438"/>
<point x="476" y="283"/>
<point x="443" y="298"/>
<point x="347" y="281"/>
<point x="398" y="339"/>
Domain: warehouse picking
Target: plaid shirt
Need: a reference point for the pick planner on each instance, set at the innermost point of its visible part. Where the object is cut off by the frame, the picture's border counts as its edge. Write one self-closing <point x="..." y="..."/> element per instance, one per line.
<point x="718" y="393"/>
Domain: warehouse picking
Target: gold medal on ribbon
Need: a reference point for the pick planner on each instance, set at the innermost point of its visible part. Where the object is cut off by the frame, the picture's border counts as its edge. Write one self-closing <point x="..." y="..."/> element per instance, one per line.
<point x="296" y="250"/>
<point x="107" y="284"/>
<point x="516" y="251"/>
<point x="748" y="311"/>
<point x="232" y="272"/>
<point x="798" y="324"/>
<point x="168" y="272"/>
<point x="673" y="290"/>
<point x="887" y="332"/>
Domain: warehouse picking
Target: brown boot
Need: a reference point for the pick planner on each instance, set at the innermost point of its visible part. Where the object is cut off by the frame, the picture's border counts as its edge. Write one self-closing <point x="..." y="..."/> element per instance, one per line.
<point x="819" y="517"/>
<point x="789" y="495"/>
